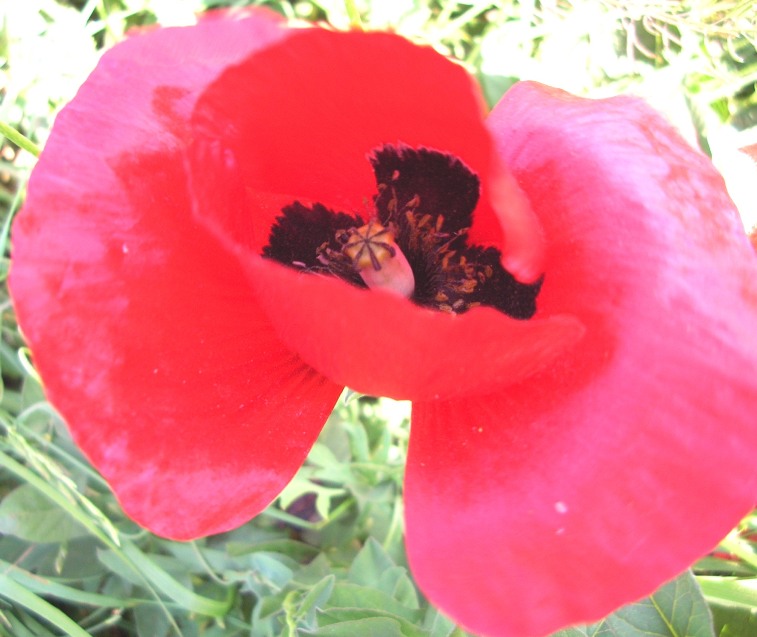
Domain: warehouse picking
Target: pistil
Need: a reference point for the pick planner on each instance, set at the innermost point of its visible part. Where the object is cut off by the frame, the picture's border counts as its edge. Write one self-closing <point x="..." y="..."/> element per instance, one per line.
<point x="377" y="258"/>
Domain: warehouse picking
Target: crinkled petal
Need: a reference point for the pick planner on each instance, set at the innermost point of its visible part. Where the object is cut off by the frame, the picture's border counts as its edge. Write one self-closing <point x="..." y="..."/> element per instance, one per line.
<point x="146" y="330"/>
<point x="588" y="485"/>
<point x="298" y="122"/>
<point x="381" y="344"/>
<point x="301" y="118"/>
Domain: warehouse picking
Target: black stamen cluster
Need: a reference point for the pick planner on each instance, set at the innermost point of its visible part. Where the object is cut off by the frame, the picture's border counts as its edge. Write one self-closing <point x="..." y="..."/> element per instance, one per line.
<point x="428" y="199"/>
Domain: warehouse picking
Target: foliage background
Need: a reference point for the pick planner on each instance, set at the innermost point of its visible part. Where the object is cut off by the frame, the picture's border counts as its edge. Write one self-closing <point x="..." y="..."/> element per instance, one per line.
<point x="327" y="558"/>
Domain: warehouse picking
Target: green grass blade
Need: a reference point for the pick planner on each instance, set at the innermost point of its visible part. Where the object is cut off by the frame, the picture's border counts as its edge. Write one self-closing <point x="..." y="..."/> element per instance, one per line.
<point x="165" y="583"/>
<point x="14" y="592"/>
<point x="109" y="538"/>
<point x="50" y="588"/>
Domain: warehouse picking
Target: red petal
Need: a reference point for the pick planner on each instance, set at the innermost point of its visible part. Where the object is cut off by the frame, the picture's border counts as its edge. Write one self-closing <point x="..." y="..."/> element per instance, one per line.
<point x="286" y="131"/>
<point x="381" y="344"/>
<point x="144" y="329"/>
<point x="301" y="118"/>
<point x="556" y="501"/>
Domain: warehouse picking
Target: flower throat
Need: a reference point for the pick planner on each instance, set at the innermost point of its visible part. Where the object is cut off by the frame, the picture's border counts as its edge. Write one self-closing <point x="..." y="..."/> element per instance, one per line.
<point x="416" y="241"/>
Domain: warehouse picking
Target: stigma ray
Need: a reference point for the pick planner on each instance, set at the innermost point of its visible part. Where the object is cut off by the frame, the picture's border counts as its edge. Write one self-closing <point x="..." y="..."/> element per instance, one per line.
<point x="377" y="258"/>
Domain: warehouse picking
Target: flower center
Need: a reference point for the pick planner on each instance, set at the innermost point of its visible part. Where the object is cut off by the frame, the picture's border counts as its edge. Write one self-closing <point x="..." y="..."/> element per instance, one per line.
<point x="371" y="245"/>
<point x="416" y="242"/>
<point x="378" y="259"/>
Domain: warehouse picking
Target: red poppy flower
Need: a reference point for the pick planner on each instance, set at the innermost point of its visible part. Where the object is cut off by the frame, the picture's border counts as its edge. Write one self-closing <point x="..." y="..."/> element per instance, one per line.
<point x="187" y="271"/>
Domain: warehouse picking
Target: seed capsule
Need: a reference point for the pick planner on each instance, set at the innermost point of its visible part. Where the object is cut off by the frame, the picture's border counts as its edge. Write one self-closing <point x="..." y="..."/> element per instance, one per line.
<point x="378" y="259"/>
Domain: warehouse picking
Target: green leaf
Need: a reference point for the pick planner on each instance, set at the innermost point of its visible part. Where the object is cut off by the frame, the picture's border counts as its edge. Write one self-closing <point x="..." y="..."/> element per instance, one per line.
<point x="315" y="571"/>
<point x="347" y="595"/>
<point x="369" y="564"/>
<point x="316" y="598"/>
<point x="293" y="549"/>
<point x="677" y="609"/>
<point x="358" y="441"/>
<point x="395" y="582"/>
<point x="730" y="590"/>
<point x="495" y="86"/>
<point x="321" y="456"/>
<point x="300" y="609"/>
<point x="734" y="621"/>
<point x="269" y="605"/>
<point x="369" y="627"/>
<point x="332" y="616"/>
<point x="151" y="621"/>
<point x="437" y="625"/>
<point x="270" y="568"/>
<point x="31" y="516"/>
<point x="337" y="12"/>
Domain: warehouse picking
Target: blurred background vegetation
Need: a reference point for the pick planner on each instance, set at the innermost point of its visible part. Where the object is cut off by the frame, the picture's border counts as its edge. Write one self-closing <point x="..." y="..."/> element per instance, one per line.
<point x="329" y="552"/>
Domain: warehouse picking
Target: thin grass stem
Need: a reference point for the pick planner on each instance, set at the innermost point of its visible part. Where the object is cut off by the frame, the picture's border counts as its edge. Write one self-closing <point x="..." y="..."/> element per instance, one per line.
<point x="12" y="135"/>
<point x="353" y="14"/>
